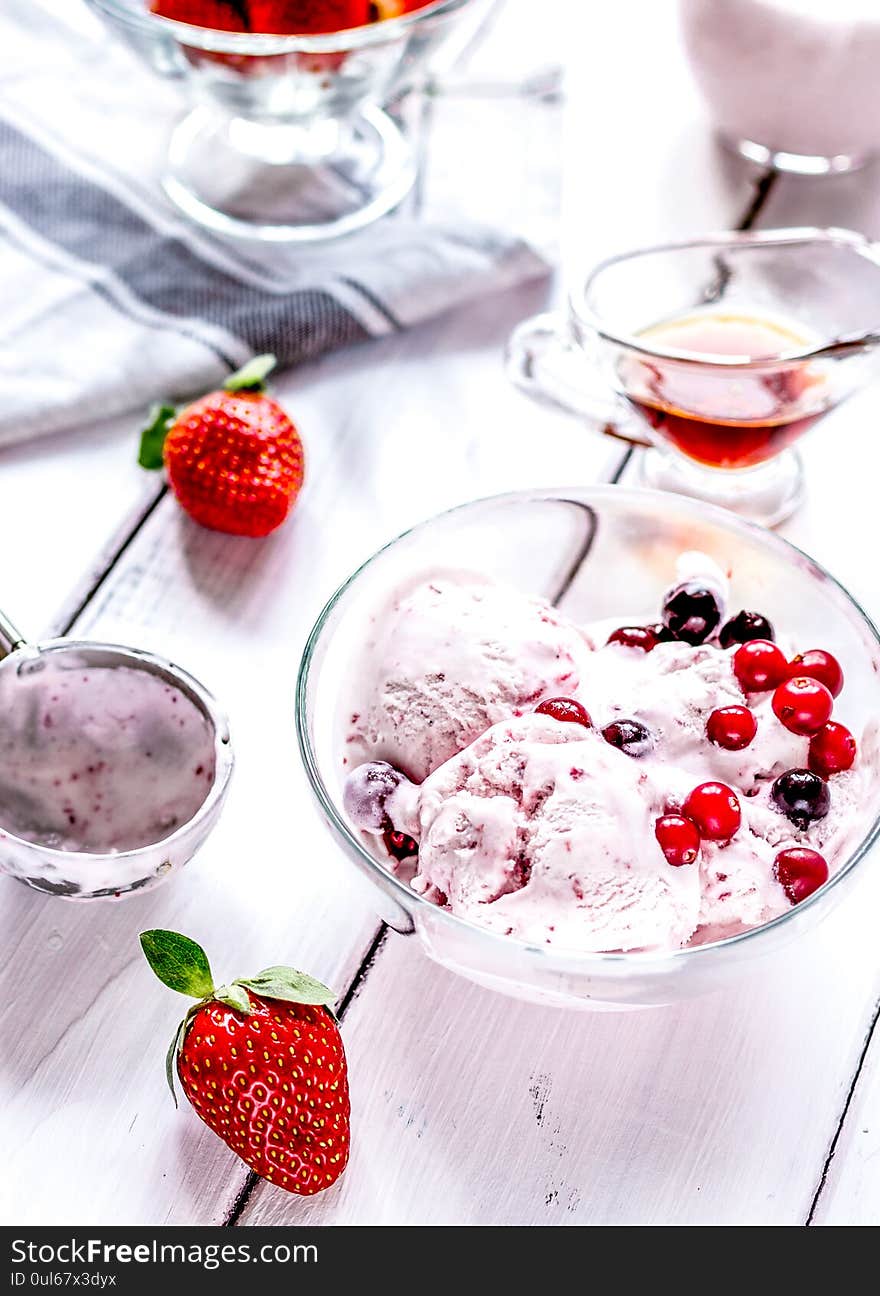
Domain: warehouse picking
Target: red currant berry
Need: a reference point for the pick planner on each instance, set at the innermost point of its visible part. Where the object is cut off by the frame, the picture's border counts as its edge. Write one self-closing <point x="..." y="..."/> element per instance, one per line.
<point x="800" y="872"/>
<point x="802" y="705"/>
<point x="679" y="839"/>
<point x="819" y="665"/>
<point x="643" y="637"/>
<point x="832" y="750"/>
<point x="759" y="665"/>
<point x="732" y="727"/>
<point x="564" y="709"/>
<point x="714" y="808"/>
<point x="400" y="845"/>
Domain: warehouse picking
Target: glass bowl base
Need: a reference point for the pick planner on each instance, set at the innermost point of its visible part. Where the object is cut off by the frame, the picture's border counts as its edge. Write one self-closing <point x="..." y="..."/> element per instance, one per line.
<point x="280" y="182"/>
<point x="768" y="494"/>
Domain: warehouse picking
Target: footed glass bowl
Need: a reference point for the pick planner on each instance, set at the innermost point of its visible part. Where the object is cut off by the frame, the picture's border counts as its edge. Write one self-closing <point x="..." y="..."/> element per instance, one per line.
<point x="596" y="553"/>
<point x="286" y="138"/>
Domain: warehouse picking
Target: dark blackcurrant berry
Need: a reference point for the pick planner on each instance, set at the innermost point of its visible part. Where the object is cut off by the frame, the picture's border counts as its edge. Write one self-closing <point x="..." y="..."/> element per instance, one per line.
<point x="630" y="736"/>
<point x="743" y="627"/>
<point x="802" y="796"/>
<point x="692" y="612"/>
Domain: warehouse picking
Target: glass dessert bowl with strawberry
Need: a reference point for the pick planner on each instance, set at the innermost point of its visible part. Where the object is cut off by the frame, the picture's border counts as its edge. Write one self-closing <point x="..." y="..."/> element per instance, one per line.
<point x="608" y="765"/>
<point x="287" y="138"/>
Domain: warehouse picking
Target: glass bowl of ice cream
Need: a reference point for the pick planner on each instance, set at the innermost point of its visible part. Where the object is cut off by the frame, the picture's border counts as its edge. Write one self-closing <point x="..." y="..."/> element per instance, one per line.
<point x="598" y="747"/>
<point x="286" y="136"/>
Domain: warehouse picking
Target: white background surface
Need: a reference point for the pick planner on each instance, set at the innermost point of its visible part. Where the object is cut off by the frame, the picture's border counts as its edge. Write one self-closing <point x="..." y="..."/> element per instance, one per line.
<point x="760" y="1104"/>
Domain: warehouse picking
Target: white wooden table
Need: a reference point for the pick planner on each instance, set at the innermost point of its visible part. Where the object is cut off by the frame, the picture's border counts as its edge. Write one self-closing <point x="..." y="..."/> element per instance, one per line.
<point x="758" y="1105"/>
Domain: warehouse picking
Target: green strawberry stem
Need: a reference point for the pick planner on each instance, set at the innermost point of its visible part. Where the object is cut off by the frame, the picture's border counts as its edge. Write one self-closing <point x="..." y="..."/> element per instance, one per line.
<point x="251" y="376"/>
<point x="183" y="965"/>
<point x="153" y="436"/>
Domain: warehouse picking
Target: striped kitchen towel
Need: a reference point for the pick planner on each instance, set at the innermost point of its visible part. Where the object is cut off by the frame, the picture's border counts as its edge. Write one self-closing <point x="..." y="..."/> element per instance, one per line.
<point x="112" y="299"/>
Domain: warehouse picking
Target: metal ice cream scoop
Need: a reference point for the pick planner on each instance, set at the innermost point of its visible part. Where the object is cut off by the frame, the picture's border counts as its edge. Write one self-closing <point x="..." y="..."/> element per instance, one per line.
<point x="114" y="765"/>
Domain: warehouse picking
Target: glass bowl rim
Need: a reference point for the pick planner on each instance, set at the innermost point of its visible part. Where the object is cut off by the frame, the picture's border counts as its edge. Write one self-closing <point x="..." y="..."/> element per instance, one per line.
<point x="549" y="954"/>
<point x="588" y="321"/>
<point x="260" y="43"/>
<point x="223" y="752"/>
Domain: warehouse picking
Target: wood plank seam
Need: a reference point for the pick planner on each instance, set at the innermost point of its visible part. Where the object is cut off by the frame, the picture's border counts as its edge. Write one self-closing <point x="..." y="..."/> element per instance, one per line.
<point x="66" y="620"/>
<point x="844" y="1113"/>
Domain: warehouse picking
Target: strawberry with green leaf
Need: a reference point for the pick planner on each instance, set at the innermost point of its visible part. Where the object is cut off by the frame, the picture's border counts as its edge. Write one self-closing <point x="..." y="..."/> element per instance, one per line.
<point x="234" y="459"/>
<point x="261" y="1060"/>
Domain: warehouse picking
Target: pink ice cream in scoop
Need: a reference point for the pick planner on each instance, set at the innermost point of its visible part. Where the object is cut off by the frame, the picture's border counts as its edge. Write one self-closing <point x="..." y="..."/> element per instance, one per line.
<point x="98" y="758"/>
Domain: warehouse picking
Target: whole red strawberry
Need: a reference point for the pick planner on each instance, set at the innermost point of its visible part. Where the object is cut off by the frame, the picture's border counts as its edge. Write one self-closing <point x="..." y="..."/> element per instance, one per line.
<point x="221" y="15"/>
<point x="234" y="459"/>
<point x="307" y="17"/>
<point x="261" y="1060"/>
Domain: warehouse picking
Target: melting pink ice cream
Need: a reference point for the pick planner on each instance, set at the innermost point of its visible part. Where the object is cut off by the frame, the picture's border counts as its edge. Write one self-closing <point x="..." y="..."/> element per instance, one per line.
<point x="98" y="758"/>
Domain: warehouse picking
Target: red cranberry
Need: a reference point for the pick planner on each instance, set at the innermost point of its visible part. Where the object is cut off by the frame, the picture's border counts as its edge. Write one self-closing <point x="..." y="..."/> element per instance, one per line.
<point x="643" y="637"/>
<point x="802" y="705"/>
<point x="832" y="750"/>
<point x="400" y="845"/>
<point x="732" y="727"/>
<point x="802" y="796"/>
<point x="714" y="808"/>
<point x="819" y="665"/>
<point x="744" y="627"/>
<point x="759" y="665"/>
<point x="679" y="839"/>
<point x="691" y="612"/>
<point x="631" y="736"/>
<point x="800" y="872"/>
<point x="564" y="709"/>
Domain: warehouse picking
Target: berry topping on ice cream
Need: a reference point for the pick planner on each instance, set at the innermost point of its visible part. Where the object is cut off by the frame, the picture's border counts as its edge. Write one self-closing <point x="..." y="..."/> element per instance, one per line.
<point x="743" y="627"/>
<point x="679" y="839"/>
<point x="802" y="796"/>
<point x="819" y="665"/>
<point x="759" y="666"/>
<point x="800" y="872"/>
<point x="714" y="809"/>
<point x="565" y="709"/>
<point x="832" y="750"/>
<point x="631" y="736"/>
<point x="803" y="705"/>
<point x="732" y="727"/>
<point x="692" y="612"/>
<point x="644" y="637"/>
<point x="367" y="792"/>
<point x="620" y="786"/>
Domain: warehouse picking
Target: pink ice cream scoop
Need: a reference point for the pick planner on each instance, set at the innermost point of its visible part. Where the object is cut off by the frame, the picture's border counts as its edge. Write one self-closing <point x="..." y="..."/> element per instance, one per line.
<point x="447" y="658"/>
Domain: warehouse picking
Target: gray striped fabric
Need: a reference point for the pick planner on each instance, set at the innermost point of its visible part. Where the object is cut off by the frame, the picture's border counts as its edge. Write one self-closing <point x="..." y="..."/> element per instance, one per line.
<point x="112" y="299"/>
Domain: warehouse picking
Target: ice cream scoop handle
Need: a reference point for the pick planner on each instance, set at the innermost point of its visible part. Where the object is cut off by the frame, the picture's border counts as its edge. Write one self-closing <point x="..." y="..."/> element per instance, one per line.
<point x="10" y="637"/>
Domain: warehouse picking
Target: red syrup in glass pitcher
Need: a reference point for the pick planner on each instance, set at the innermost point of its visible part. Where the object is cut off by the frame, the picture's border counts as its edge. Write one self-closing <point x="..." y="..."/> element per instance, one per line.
<point x="721" y="416"/>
